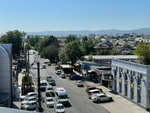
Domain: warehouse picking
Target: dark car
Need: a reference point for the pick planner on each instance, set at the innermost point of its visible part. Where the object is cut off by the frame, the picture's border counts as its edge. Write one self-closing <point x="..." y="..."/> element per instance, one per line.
<point x="52" y="82"/>
<point x="48" y="78"/>
<point x="76" y="77"/>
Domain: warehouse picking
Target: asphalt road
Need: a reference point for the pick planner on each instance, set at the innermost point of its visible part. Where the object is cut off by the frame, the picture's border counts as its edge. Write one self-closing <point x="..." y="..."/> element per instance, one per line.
<point x="79" y="102"/>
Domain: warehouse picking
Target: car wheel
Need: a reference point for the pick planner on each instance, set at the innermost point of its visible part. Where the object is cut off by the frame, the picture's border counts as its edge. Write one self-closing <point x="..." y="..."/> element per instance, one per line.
<point x="98" y="100"/>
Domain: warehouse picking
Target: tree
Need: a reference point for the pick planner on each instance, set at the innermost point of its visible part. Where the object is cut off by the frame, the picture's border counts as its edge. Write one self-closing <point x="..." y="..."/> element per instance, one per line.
<point x="71" y="52"/>
<point x="70" y="38"/>
<point x="88" y="45"/>
<point x="32" y="40"/>
<point x="27" y="47"/>
<point x="143" y="52"/>
<point x="51" y="52"/>
<point x="49" y="48"/>
<point x="15" y="38"/>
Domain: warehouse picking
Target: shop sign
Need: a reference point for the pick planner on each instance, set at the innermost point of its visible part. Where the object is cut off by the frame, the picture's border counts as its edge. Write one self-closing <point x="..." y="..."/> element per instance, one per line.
<point x="131" y="85"/>
<point x="120" y="80"/>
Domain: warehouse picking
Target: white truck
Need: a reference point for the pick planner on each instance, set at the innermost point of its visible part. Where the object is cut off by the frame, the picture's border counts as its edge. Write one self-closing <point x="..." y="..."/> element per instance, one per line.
<point x="62" y="96"/>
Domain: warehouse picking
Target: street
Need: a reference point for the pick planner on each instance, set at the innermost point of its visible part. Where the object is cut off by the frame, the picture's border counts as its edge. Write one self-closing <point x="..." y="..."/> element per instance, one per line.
<point x="79" y="102"/>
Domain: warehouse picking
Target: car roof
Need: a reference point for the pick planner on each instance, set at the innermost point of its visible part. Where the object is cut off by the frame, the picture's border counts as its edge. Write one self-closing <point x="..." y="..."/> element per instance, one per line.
<point x="99" y="94"/>
<point x="43" y="81"/>
<point x="49" y="98"/>
<point x="94" y="90"/>
<point x="59" y="104"/>
<point x="33" y="101"/>
<point x="31" y="97"/>
<point x="61" y="91"/>
<point x="32" y="93"/>
<point x="49" y="86"/>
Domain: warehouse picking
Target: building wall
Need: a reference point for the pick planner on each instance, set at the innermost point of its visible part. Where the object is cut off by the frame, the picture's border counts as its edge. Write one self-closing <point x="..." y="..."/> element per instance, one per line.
<point x="5" y="73"/>
<point x="135" y="72"/>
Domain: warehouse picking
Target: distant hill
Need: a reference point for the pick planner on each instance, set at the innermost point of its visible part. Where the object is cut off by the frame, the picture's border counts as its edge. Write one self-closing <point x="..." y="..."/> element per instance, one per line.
<point x="86" y="32"/>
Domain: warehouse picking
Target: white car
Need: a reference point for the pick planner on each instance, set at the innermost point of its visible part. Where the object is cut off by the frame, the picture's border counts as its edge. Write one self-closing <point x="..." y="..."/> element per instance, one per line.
<point x="30" y="105"/>
<point x="79" y="83"/>
<point x="101" y="97"/>
<point x="49" y="102"/>
<point x="49" y="90"/>
<point x="43" y="84"/>
<point x="30" y="94"/>
<point x="58" y="72"/>
<point x="59" y="108"/>
<point x="93" y="92"/>
<point x="63" y="75"/>
<point x="27" y="100"/>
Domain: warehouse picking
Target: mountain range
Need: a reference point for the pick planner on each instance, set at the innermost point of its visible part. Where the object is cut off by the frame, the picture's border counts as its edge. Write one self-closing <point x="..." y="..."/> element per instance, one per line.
<point x="86" y="32"/>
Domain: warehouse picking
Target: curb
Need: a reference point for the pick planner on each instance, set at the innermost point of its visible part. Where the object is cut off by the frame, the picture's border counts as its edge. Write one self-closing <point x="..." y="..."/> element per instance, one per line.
<point x="85" y="84"/>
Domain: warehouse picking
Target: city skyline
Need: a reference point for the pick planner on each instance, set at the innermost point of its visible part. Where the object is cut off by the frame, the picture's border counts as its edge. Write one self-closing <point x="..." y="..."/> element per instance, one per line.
<point x="56" y="15"/>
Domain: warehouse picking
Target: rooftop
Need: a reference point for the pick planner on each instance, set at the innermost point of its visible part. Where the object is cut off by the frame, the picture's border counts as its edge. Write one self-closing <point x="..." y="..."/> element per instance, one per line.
<point x="103" y="57"/>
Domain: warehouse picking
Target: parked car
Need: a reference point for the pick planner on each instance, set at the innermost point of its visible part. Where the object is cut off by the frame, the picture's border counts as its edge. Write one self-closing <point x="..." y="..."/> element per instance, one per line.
<point x="56" y="68"/>
<point x="63" y="75"/>
<point x="43" y="84"/>
<point x="52" y="82"/>
<point x="30" y="106"/>
<point x="92" y="88"/>
<point x="48" y="78"/>
<point x="27" y="100"/>
<point x="79" y="83"/>
<point x="44" y="66"/>
<point x="75" y="77"/>
<point x="49" y="64"/>
<point x="93" y="92"/>
<point x="30" y="94"/>
<point x="59" y="108"/>
<point x="101" y="97"/>
<point x="58" y="72"/>
<point x="49" y="90"/>
<point x="49" y="102"/>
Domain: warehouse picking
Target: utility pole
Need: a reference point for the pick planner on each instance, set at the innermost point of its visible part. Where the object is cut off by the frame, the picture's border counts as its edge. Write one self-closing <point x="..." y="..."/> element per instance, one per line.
<point x="28" y="63"/>
<point x="39" y="94"/>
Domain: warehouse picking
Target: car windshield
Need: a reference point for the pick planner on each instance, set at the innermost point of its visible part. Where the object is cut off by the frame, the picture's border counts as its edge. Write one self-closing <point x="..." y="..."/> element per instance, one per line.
<point x="96" y="92"/>
<point x="60" y="107"/>
<point x="63" y="97"/>
<point x="49" y="100"/>
<point x="43" y="84"/>
<point x="50" y="88"/>
<point x="52" y="81"/>
<point x="92" y="88"/>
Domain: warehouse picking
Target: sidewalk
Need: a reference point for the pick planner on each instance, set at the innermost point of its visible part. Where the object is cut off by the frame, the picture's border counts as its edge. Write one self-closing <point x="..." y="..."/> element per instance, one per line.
<point x="20" y="76"/>
<point x="120" y="104"/>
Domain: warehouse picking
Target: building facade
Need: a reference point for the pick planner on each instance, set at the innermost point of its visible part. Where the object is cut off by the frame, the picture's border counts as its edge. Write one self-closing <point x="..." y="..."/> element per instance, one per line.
<point x="132" y="81"/>
<point x="5" y="75"/>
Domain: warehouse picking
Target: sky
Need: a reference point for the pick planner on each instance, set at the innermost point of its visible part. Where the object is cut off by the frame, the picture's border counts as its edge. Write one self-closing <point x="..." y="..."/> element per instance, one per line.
<point x="62" y="15"/>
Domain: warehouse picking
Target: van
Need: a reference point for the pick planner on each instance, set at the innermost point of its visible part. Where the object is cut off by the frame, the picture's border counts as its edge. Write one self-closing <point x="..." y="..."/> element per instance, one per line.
<point x="62" y="96"/>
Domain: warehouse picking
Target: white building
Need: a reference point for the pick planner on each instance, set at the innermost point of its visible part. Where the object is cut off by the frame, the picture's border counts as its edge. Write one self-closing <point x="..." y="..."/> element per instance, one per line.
<point x="5" y="75"/>
<point x="132" y="81"/>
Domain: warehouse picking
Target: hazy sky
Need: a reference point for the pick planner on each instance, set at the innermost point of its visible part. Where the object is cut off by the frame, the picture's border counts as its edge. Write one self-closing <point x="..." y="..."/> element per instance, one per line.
<point x="44" y="15"/>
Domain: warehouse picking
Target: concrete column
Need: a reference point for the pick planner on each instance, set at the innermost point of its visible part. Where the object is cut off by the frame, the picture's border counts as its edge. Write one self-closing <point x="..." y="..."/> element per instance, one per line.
<point x="129" y="87"/>
<point x="135" y="89"/>
<point x="122" y="83"/>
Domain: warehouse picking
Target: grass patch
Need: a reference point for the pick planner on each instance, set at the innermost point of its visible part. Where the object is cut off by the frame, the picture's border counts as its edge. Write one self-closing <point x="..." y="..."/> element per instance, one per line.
<point x="24" y="72"/>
